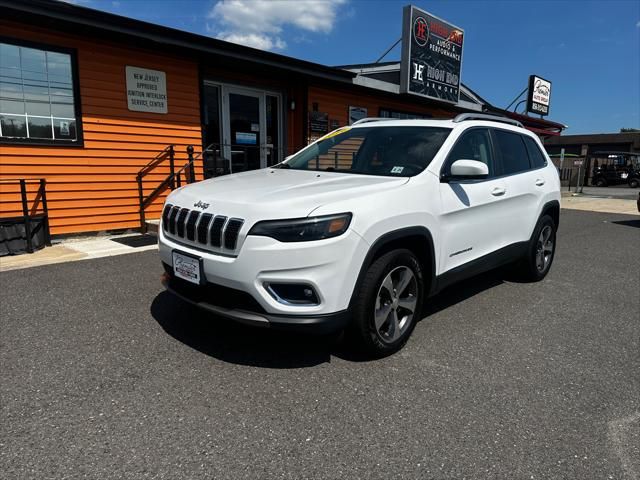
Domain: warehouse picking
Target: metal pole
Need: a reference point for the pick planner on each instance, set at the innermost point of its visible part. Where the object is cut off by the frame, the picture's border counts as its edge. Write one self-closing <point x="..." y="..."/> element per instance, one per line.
<point x="192" y="176"/>
<point x="172" y="182"/>
<point x="25" y="215"/>
<point x="388" y="50"/>
<point x="143" y="222"/>
<point x="45" y="209"/>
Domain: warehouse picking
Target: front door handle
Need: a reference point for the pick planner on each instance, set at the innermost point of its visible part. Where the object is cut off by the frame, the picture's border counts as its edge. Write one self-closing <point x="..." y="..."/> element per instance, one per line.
<point x="498" y="191"/>
<point x="539" y="182"/>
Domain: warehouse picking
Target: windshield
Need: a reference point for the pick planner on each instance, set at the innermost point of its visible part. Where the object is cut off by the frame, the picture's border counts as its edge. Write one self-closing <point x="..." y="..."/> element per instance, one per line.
<point x="385" y="151"/>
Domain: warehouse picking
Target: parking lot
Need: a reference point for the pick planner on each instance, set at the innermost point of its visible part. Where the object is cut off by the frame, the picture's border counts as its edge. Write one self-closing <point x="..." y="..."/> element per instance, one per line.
<point x="104" y="375"/>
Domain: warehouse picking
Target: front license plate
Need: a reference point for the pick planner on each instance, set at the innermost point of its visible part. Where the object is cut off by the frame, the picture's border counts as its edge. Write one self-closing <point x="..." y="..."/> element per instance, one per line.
<point x="187" y="267"/>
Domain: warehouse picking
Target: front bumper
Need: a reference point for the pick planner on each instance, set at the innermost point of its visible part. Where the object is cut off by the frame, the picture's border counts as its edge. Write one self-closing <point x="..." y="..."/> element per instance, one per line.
<point x="330" y="266"/>
<point x="319" y="323"/>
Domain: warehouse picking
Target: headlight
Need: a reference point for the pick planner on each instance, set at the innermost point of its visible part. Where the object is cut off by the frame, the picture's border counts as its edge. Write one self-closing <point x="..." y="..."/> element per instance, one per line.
<point x="303" y="229"/>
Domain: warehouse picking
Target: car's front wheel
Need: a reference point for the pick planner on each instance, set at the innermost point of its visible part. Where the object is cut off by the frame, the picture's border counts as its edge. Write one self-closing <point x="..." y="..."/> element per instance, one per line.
<point x="634" y="182"/>
<point x="387" y="303"/>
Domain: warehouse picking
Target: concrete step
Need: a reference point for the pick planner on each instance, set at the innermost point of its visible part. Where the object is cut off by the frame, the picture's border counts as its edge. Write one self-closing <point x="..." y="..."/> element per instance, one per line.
<point x="152" y="226"/>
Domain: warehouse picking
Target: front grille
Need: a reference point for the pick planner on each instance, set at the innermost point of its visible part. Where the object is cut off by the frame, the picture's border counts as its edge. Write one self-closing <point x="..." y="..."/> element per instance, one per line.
<point x="202" y="228"/>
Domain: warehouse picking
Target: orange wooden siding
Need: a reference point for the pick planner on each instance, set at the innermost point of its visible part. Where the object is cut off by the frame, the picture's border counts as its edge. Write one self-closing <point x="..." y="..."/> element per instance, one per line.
<point x="93" y="188"/>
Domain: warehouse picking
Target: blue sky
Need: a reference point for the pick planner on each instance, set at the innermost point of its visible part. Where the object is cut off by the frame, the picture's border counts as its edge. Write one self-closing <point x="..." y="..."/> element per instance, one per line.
<point x="589" y="50"/>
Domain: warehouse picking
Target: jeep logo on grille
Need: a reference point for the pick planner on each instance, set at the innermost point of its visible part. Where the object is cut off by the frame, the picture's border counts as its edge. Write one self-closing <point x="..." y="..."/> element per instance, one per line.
<point x="201" y="204"/>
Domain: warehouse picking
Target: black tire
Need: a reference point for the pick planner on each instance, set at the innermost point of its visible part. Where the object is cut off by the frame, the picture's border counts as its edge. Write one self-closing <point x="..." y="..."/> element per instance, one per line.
<point x="529" y="268"/>
<point x="385" y="339"/>
<point x="600" y="182"/>
<point x="634" y="183"/>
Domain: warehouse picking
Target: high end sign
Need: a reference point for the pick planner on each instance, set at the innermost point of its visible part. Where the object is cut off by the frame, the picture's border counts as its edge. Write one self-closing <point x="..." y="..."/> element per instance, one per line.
<point x="539" y="96"/>
<point x="146" y="90"/>
<point x="431" y="56"/>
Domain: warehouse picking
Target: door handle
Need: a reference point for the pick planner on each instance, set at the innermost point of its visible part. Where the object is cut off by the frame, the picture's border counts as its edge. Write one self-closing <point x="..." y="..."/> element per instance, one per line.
<point x="498" y="191"/>
<point x="539" y="182"/>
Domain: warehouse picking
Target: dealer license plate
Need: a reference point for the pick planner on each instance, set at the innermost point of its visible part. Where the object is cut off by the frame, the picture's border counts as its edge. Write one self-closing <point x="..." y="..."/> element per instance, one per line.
<point x="187" y="267"/>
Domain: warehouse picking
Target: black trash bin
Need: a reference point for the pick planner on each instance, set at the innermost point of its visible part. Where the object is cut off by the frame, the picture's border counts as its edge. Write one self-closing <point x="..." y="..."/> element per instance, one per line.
<point x="13" y="235"/>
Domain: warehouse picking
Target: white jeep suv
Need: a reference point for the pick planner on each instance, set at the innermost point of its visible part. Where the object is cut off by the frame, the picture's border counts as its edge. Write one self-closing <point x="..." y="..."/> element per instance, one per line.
<point x="359" y="228"/>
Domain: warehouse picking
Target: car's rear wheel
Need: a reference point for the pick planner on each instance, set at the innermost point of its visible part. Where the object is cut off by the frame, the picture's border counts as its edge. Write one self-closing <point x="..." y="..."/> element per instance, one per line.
<point x="540" y="252"/>
<point x="387" y="303"/>
<point x="634" y="182"/>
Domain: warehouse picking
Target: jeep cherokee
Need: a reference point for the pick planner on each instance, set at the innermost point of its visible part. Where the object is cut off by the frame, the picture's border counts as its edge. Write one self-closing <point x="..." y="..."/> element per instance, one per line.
<point x="359" y="228"/>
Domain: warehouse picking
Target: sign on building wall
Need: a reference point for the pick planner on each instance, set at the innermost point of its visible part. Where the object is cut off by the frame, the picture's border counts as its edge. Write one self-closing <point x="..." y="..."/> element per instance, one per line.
<point x="146" y="90"/>
<point x="356" y="113"/>
<point x="539" y="96"/>
<point x="431" y="56"/>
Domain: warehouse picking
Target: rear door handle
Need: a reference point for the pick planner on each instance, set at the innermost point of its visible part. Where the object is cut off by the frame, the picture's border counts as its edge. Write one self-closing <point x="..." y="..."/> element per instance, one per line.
<point x="498" y="191"/>
<point x="539" y="182"/>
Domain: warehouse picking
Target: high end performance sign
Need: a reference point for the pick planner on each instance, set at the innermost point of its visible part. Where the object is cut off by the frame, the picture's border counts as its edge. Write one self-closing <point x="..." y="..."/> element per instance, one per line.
<point x="539" y="97"/>
<point x="431" y="56"/>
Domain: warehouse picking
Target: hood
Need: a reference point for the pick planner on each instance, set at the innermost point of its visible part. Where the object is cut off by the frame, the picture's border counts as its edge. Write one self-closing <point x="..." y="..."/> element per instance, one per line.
<point x="275" y="193"/>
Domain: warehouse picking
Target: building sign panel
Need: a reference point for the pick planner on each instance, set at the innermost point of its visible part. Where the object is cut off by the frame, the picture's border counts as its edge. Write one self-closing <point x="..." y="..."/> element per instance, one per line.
<point x="539" y="96"/>
<point x="356" y="113"/>
<point x="146" y="90"/>
<point x="431" y="56"/>
<point x="319" y="122"/>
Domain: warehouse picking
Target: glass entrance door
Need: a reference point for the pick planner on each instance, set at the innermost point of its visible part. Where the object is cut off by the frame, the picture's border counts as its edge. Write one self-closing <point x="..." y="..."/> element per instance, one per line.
<point x="245" y="126"/>
<point x="242" y="129"/>
<point x="251" y="128"/>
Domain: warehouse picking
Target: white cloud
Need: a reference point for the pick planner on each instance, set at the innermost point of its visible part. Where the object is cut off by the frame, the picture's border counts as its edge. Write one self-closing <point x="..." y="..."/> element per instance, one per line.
<point x="255" y="40"/>
<point x="638" y="24"/>
<point x="260" y="23"/>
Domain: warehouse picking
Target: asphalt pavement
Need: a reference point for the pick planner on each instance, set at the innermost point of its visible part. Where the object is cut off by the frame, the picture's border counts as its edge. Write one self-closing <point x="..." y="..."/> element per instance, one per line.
<point x="103" y="375"/>
<point x="617" y="191"/>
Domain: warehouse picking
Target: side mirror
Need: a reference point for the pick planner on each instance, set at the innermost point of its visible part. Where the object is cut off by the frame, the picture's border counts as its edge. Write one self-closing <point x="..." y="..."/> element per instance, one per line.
<point x="469" y="169"/>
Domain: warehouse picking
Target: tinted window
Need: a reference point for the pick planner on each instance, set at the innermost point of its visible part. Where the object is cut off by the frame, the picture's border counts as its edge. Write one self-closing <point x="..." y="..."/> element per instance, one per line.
<point x="512" y="152"/>
<point x="472" y="145"/>
<point x="386" y="151"/>
<point x="535" y="155"/>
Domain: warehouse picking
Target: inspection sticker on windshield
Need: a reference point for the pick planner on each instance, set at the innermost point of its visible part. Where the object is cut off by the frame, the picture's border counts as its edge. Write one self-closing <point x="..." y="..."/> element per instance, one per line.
<point x="397" y="169"/>
<point x="336" y="132"/>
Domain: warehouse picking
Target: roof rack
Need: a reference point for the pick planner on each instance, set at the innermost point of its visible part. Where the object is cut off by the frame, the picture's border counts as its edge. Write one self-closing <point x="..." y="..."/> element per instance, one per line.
<point x="483" y="116"/>
<point x="369" y="119"/>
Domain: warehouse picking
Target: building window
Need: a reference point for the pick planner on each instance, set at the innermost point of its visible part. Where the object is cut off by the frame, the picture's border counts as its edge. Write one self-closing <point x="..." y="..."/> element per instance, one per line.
<point x="386" y="113"/>
<point x="39" y="101"/>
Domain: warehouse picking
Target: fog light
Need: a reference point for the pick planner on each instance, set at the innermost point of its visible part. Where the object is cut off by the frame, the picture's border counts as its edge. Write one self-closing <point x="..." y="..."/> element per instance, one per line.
<point x="293" y="293"/>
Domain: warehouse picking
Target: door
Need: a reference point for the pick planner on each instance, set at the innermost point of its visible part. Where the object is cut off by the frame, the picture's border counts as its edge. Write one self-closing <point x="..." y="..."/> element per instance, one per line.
<point x="251" y="126"/>
<point x="525" y="184"/>
<point x="473" y="220"/>
<point x="244" y="111"/>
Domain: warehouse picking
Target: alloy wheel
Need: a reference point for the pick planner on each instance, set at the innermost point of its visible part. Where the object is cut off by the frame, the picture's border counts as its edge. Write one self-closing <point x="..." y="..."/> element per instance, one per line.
<point x="396" y="304"/>
<point x="544" y="248"/>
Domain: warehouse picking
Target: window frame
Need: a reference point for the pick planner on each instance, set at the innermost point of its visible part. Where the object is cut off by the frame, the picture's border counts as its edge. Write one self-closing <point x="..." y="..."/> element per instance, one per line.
<point x="500" y="160"/>
<point x="75" y="82"/>
<point x="540" y="151"/>
<point x="445" y="170"/>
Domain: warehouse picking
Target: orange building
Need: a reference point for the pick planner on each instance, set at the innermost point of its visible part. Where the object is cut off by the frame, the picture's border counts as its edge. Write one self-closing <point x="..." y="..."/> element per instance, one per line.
<point x="92" y="102"/>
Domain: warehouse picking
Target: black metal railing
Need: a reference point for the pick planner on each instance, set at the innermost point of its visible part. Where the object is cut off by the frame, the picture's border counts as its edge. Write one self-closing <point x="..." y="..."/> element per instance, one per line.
<point x="30" y="214"/>
<point x="218" y="159"/>
<point x="175" y="179"/>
